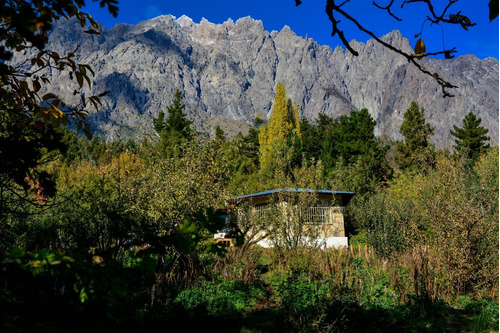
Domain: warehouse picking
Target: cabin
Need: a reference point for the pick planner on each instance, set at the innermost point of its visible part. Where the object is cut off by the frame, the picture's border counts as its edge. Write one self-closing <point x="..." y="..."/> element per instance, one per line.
<point x="323" y="212"/>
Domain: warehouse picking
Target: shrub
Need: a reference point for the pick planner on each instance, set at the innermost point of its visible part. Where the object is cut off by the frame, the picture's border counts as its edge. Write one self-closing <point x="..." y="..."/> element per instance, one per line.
<point x="220" y="299"/>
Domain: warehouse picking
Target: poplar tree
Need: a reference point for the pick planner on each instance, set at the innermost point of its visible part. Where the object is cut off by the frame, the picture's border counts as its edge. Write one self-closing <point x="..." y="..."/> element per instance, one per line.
<point x="471" y="138"/>
<point x="282" y="130"/>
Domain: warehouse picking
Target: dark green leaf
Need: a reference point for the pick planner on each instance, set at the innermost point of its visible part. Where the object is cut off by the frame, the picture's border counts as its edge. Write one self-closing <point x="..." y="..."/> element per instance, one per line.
<point x="79" y="78"/>
<point x="187" y="227"/>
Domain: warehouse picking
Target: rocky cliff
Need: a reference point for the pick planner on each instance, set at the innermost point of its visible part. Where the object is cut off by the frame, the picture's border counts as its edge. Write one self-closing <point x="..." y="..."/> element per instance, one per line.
<point x="228" y="72"/>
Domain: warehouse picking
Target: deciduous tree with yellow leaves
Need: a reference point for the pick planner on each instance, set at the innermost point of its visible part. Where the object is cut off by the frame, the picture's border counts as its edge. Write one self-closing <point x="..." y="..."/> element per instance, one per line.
<point x="282" y="130"/>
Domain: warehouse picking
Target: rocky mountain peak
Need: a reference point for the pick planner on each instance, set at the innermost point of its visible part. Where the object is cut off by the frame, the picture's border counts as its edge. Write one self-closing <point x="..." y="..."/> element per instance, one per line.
<point x="186" y="22"/>
<point x="287" y="31"/>
<point x="396" y="39"/>
<point x="228" y="73"/>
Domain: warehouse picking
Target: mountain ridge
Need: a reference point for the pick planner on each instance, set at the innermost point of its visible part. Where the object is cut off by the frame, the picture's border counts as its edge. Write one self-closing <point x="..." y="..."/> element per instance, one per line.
<point x="230" y="70"/>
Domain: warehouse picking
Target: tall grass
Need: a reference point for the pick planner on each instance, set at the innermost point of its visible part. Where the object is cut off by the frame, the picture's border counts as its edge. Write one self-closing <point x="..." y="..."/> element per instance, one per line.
<point x="344" y="289"/>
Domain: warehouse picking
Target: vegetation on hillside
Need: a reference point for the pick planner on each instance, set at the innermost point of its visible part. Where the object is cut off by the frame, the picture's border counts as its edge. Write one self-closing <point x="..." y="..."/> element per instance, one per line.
<point x="125" y="239"/>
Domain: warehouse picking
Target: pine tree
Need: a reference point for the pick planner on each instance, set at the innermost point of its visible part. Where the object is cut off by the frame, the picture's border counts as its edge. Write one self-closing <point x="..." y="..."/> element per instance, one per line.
<point x="176" y="120"/>
<point x="416" y="151"/>
<point x="471" y="138"/>
<point x="175" y="129"/>
<point x="313" y="135"/>
<point x="283" y="127"/>
<point x="351" y="140"/>
<point x="355" y="135"/>
<point x="219" y="134"/>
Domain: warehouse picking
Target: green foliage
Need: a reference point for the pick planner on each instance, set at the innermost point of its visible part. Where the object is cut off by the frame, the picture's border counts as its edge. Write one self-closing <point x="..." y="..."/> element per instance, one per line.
<point x="27" y="118"/>
<point x="172" y="190"/>
<point x="309" y="140"/>
<point x="219" y="134"/>
<point x="391" y="227"/>
<point x="351" y="142"/>
<point x="485" y="315"/>
<point x="22" y="149"/>
<point x="243" y="151"/>
<point x="221" y="299"/>
<point x="43" y="282"/>
<point x="314" y="134"/>
<point x="175" y="130"/>
<point x="353" y="136"/>
<point x="129" y="237"/>
<point x="416" y="152"/>
<point x="353" y="290"/>
<point x="452" y="209"/>
<point x="250" y="145"/>
<point x="471" y="138"/>
<point x="302" y="301"/>
<point x="127" y="242"/>
<point x="176" y="120"/>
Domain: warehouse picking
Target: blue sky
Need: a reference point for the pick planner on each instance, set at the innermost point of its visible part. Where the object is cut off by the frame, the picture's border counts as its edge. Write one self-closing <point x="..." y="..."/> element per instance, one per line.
<point x="310" y="18"/>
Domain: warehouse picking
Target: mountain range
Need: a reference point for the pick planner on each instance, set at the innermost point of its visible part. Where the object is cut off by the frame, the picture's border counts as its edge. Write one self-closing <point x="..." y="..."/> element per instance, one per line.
<point x="228" y="72"/>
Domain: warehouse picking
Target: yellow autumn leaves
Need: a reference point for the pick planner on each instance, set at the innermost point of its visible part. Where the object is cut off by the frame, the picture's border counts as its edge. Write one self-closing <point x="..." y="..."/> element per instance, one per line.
<point x="283" y="123"/>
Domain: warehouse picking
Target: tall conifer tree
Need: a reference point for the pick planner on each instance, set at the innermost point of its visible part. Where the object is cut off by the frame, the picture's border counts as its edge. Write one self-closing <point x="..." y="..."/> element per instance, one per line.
<point x="416" y="150"/>
<point x="350" y="142"/>
<point x="175" y="129"/>
<point x="471" y="138"/>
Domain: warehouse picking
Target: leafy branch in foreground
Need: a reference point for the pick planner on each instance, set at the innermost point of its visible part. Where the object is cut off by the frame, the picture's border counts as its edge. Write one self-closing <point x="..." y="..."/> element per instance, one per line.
<point x="28" y="111"/>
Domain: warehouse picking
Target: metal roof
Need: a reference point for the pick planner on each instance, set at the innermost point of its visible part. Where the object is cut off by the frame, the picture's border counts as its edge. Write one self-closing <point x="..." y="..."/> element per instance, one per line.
<point x="247" y="196"/>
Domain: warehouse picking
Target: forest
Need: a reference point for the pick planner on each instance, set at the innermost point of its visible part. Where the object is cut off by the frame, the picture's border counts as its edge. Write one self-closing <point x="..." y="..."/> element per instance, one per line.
<point x="106" y="236"/>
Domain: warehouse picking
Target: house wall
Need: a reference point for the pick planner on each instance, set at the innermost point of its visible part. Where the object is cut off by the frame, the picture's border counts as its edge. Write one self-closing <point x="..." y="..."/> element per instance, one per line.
<point x="331" y="233"/>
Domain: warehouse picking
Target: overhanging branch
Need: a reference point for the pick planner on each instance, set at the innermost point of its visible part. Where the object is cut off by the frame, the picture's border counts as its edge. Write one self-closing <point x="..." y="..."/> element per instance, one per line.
<point x="332" y="8"/>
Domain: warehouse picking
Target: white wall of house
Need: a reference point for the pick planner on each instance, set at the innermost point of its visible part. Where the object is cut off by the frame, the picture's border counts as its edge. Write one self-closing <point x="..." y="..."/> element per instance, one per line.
<point x="321" y="242"/>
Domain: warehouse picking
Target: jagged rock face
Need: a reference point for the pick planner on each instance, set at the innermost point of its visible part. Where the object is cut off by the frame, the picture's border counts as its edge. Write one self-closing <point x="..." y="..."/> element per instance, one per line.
<point x="230" y="71"/>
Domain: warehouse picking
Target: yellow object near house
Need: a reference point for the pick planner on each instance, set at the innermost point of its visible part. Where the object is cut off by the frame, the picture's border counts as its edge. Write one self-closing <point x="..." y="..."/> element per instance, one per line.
<point x="321" y="215"/>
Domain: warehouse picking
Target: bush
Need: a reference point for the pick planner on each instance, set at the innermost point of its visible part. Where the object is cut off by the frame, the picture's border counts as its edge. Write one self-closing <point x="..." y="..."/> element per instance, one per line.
<point x="220" y="299"/>
<point x="301" y="300"/>
<point x="485" y="315"/>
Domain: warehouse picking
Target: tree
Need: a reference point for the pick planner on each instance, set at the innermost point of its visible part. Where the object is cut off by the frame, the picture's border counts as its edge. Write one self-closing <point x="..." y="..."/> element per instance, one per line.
<point x="351" y="141"/>
<point x="335" y="8"/>
<point x="282" y="129"/>
<point x="176" y="120"/>
<point x="352" y="137"/>
<point x="471" y="138"/>
<point x="27" y="119"/>
<point x="313" y="134"/>
<point x="219" y="134"/>
<point x="452" y="210"/>
<point x="175" y="130"/>
<point x="416" y="150"/>
<point x="250" y="145"/>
